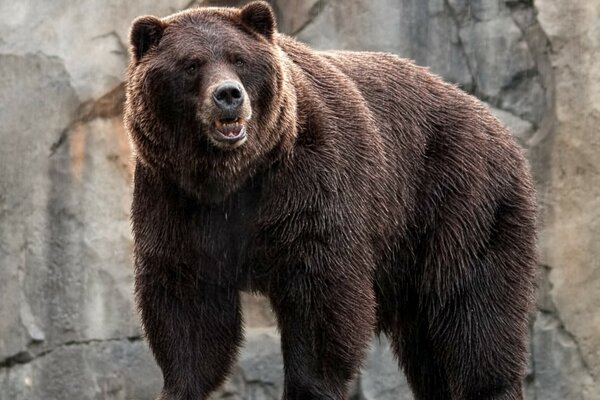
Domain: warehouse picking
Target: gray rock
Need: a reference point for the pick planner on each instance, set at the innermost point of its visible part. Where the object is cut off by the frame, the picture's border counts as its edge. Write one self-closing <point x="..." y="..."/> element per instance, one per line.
<point x="37" y="104"/>
<point x="524" y="97"/>
<point x="559" y="369"/>
<point x="489" y="44"/>
<point x="110" y="370"/>
<point x="259" y="372"/>
<point x="572" y="214"/>
<point x="423" y="31"/>
<point x="64" y="238"/>
<point x="381" y="378"/>
<point x="257" y="311"/>
<point x="90" y="39"/>
<point x="294" y="15"/>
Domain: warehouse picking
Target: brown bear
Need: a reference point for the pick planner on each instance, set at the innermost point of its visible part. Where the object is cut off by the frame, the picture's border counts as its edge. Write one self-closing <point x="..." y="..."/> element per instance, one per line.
<point x="357" y="191"/>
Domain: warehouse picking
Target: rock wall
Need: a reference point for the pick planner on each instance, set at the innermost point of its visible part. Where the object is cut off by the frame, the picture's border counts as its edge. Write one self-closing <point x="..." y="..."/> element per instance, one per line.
<point x="68" y="328"/>
<point x="569" y="324"/>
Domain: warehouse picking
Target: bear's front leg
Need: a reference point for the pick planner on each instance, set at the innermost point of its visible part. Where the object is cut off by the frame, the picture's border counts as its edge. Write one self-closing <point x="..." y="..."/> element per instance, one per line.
<point x="326" y="319"/>
<point x="194" y="331"/>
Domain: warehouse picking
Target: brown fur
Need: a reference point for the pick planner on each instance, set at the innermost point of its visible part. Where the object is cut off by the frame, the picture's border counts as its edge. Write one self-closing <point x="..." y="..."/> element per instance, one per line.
<point x="369" y="197"/>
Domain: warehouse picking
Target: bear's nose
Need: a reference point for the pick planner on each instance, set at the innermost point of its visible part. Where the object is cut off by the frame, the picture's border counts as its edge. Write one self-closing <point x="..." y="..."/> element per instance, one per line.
<point x="228" y="96"/>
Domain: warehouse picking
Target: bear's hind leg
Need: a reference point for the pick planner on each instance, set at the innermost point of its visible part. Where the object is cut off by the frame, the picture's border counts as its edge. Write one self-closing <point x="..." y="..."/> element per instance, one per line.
<point x="472" y="291"/>
<point x="414" y="350"/>
<point x="470" y="344"/>
<point x="458" y="365"/>
<point x="481" y="339"/>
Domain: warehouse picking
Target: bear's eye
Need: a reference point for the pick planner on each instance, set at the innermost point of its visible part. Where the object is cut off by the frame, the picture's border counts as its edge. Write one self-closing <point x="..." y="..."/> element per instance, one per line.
<point x="239" y="62"/>
<point x="192" y="69"/>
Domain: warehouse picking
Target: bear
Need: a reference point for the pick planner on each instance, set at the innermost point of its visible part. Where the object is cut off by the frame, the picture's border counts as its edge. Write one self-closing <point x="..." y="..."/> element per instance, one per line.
<point x="360" y="193"/>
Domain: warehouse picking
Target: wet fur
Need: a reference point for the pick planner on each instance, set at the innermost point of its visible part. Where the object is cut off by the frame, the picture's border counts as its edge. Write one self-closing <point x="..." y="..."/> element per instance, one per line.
<point x="370" y="197"/>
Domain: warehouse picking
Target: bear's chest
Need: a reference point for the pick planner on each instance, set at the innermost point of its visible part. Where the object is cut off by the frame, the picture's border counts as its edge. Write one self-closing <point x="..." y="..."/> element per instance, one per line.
<point x="244" y="244"/>
<point x="224" y="240"/>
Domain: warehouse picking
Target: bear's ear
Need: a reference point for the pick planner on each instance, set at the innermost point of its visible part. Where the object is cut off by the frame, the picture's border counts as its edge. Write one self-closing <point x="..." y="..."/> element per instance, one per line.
<point x="145" y="34"/>
<point x="259" y="16"/>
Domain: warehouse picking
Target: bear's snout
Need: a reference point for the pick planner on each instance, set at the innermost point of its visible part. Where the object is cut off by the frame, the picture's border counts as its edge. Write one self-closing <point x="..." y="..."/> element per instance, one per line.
<point x="229" y="96"/>
<point x="226" y="111"/>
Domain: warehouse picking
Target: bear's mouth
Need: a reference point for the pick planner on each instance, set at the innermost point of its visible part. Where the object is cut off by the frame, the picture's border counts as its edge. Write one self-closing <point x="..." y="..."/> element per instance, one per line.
<point x="230" y="131"/>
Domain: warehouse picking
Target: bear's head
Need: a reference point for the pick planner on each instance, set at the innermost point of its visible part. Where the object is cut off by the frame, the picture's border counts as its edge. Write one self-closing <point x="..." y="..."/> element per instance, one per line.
<point x="209" y="97"/>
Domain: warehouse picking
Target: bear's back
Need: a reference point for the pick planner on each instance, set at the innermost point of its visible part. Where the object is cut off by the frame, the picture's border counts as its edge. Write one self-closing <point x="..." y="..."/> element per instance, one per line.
<point x="409" y="105"/>
<point x="439" y="142"/>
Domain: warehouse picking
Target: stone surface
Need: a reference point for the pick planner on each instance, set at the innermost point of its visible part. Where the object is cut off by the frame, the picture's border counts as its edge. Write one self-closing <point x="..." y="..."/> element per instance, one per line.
<point x="68" y="328"/>
<point x="37" y="104"/>
<point x="257" y="311"/>
<point x="259" y="374"/>
<point x="572" y="187"/>
<point x="295" y="15"/>
<point x="423" y="31"/>
<point x="108" y="370"/>
<point x="559" y="369"/>
<point x="65" y="232"/>
<point x="381" y="378"/>
<point x="90" y="38"/>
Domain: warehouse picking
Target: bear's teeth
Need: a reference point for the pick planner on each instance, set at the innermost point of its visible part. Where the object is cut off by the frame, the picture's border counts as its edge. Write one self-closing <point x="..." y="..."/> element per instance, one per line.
<point x="220" y="124"/>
